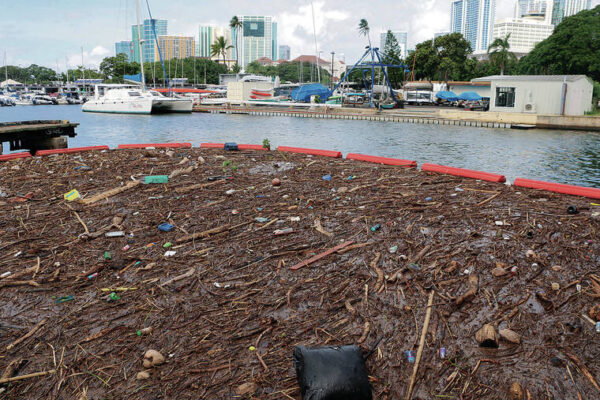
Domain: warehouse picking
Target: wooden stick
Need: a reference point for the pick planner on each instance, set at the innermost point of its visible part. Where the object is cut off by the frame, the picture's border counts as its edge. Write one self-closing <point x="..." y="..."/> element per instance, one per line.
<point x="421" y="345"/>
<point x="28" y="334"/>
<point x="180" y="277"/>
<point x="207" y="233"/>
<point x="319" y="256"/>
<point x="320" y="228"/>
<point x="18" y="378"/>
<point x="584" y="370"/>
<point x="182" y="171"/>
<point x="199" y="186"/>
<point x="110" y="193"/>
<point x="488" y="199"/>
<point x="81" y="221"/>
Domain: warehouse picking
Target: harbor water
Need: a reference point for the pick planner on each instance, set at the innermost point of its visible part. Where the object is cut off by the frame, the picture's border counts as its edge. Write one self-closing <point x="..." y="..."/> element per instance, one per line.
<point x="560" y="156"/>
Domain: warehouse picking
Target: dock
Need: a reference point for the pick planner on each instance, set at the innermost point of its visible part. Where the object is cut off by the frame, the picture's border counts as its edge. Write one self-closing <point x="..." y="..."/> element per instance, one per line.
<point x="37" y="135"/>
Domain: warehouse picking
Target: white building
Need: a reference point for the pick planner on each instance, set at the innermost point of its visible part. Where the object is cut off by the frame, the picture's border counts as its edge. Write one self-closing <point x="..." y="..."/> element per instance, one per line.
<point x="540" y="94"/>
<point x="538" y="9"/>
<point x="525" y="33"/>
<point x="258" y="38"/>
<point x="207" y="36"/>
<point x="401" y="37"/>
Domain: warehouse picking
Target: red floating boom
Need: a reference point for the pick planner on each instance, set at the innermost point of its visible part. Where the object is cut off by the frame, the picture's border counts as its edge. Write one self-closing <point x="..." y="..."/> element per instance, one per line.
<point x="314" y="152"/>
<point x="70" y="150"/>
<point x="467" y="173"/>
<point x="559" y="188"/>
<point x="382" y="160"/>
<point x="155" y="145"/>
<point x="14" y="156"/>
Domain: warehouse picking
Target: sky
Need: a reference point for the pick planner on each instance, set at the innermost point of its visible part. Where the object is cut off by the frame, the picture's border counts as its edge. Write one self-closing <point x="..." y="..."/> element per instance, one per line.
<point x="54" y="32"/>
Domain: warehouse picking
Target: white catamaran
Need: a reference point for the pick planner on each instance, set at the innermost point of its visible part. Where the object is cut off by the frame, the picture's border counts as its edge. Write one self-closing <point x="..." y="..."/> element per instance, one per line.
<point x="128" y="99"/>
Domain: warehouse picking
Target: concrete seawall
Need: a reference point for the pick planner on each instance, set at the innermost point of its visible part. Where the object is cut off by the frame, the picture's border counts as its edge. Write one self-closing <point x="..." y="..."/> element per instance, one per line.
<point x="436" y="117"/>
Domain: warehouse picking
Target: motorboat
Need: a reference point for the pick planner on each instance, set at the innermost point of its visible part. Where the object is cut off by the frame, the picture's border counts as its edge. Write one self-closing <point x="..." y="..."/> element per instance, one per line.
<point x="42" y="100"/>
<point x="126" y="99"/>
<point x="6" y="101"/>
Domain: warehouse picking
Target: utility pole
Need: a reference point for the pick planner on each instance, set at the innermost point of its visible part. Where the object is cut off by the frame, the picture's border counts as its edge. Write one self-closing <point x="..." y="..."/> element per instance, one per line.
<point x="331" y="75"/>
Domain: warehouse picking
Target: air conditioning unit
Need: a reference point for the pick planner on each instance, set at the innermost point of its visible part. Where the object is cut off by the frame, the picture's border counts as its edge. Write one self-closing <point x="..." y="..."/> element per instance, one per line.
<point x="530" y="108"/>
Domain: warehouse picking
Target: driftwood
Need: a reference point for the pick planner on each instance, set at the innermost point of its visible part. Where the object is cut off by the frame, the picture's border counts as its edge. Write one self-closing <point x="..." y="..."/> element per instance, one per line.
<point x="110" y="193"/>
<point x="27" y="335"/>
<point x="421" y="345"/>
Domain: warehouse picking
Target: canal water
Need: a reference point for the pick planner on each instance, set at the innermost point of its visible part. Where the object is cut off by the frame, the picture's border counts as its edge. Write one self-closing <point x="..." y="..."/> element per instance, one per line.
<point x="559" y="156"/>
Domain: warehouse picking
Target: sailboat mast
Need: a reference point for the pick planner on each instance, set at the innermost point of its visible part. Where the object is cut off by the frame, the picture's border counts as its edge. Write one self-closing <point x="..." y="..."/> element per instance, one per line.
<point x="137" y="11"/>
<point x="5" y="67"/>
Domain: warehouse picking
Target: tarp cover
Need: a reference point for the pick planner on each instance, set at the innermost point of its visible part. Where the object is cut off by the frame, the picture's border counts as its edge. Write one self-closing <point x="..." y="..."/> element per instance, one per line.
<point x="469" y="96"/>
<point x="133" y="78"/>
<point x="446" y="95"/>
<point x="303" y="93"/>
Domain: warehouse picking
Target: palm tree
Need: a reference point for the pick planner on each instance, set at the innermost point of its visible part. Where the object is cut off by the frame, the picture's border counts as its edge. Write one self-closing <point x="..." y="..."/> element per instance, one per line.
<point x="499" y="54"/>
<point x="236" y="25"/>
<point x="364" y="30"/>
<point x="220" y="47"/>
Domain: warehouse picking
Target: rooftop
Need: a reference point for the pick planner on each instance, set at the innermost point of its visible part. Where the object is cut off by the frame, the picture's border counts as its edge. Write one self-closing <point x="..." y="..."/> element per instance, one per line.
<point x="546" y="78"/>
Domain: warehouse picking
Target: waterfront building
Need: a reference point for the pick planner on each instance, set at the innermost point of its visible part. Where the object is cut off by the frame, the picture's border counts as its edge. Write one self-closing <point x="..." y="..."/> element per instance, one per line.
<point x="207" y="36"/>
<point x="150" y="30"/>
<point x="175" y="47"/>
<point x="535" y="9"/>
<point x="540" y="94"/>
<point x="125" y="47"/>
<point x="339" y="66"/>
<point x="284" y="52"/>
<point x="401" y="37"/>
<point x="525" y="33"/>
<point x="258" y="38"/>
<point x="474" y="19"/>
<point x="566" y="8"/>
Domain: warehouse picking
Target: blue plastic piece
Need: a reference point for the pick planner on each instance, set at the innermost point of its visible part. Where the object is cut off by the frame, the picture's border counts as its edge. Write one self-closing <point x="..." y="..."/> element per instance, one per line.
<point x="166" y="227"/>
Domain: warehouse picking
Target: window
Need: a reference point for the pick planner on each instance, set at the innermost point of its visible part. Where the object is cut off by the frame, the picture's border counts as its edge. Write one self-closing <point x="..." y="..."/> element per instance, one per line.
<point x="505" y="97"/>
<point x="134" y="94"/>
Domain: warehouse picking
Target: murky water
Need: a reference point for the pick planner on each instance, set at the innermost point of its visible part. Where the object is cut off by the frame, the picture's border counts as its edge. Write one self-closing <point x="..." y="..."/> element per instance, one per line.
<point x="559" y="156"/>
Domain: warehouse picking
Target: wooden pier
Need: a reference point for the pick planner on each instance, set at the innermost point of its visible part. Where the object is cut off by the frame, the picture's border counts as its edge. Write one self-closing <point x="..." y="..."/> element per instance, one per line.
<point x="36" y="135"/>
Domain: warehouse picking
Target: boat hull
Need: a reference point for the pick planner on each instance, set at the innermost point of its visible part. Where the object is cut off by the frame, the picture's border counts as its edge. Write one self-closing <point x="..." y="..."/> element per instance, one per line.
<point x="142" y="106"/>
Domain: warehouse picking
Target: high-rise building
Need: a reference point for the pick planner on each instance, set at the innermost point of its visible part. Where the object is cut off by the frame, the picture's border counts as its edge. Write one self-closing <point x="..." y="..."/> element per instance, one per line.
<point x="401" y="38"/>
<point x="525" y="33"/>
<point x="284" y="52"/>
<point x="175" y="47"/>
<point x="475" y="20"/>
<point x="566" y="8"/>
<point x="150" y="30"/>
<point x="207" y="36"/>
<point x="125" y="47"/>
<point x="535" y="9"/>
<point x="257" y="38"/>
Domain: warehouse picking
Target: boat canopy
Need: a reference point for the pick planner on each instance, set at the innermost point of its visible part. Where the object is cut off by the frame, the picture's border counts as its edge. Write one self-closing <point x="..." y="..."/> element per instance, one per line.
<point x="446" y="95"/>
<point x="469" y="96"/>
<point x="303" y="93"/>
<point x="137" y="78"/>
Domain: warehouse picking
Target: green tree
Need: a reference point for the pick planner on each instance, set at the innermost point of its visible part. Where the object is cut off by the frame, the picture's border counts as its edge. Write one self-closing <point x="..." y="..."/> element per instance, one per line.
<point x="391" y="55"/>
<point x="236" y="25"/>
<point x="445" y="58"/>
<point x="113" y="68"/>
<point x="220" y="47"/>
<point x="203" y="68"/>
<point x="573" y="48"/>
<point x="499" y="53"/>
<point x="364" y="30"/>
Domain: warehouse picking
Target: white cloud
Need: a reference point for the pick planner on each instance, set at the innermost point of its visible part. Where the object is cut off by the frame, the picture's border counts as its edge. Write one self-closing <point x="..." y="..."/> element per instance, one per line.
<point x="91" y="59"/>
<point x="295" y="29"/>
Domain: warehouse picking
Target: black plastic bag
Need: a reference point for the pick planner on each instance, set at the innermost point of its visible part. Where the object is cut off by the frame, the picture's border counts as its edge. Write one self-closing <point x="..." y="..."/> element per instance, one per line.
<point x="332" y="373"/>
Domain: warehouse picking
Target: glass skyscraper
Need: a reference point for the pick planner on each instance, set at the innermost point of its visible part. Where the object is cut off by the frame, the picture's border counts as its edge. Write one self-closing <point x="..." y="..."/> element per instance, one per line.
<point x="207" y="36"/>
<point x="148" y="29"/>
<point x="125" y="47"/>
<point x="566" y="8"/>
<point x="258" y="38"/>
<point x="284" y="52"/>
<point x="475" y="20"/>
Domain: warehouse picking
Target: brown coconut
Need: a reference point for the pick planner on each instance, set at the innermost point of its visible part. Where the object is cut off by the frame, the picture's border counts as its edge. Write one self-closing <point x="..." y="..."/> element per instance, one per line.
<point x="152" y="358"/>
<point x="516" y="391"/>
<point x="487" y="336"/>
